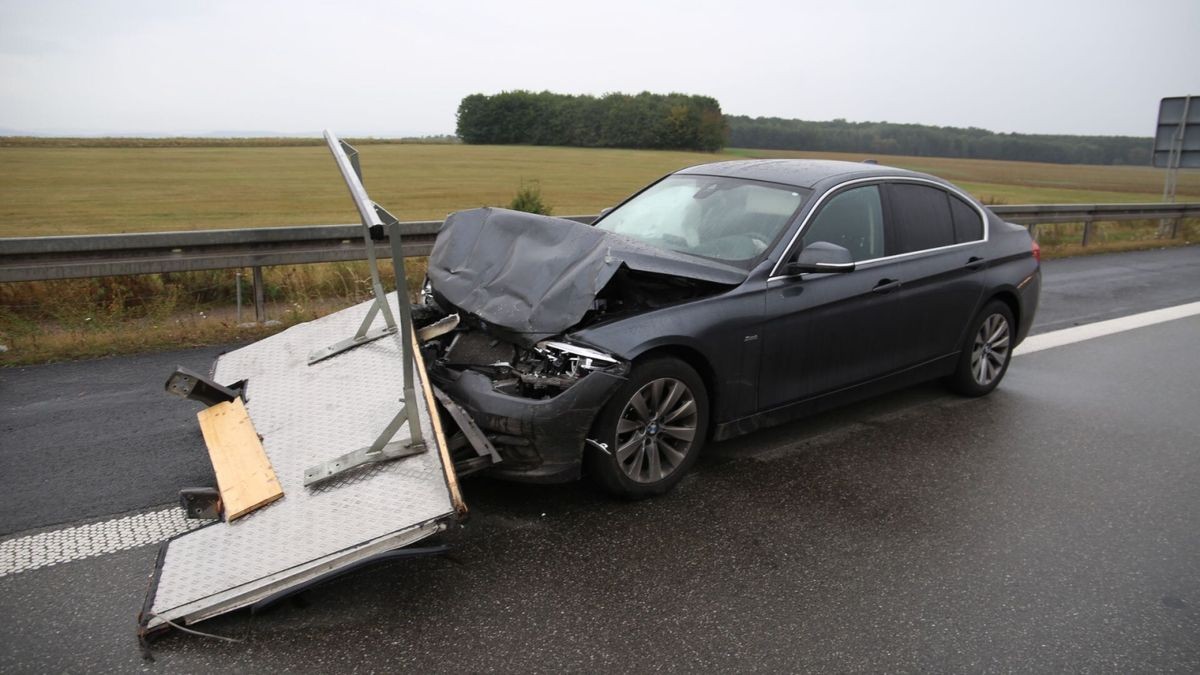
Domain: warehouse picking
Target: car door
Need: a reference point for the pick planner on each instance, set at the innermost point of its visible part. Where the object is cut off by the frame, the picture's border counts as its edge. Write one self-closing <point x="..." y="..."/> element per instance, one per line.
<point x="933" y="252"/>
<point x="823" y="332"/>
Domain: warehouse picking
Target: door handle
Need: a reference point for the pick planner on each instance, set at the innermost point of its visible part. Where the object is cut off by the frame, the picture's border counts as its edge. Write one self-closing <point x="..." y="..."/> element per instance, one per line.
<point x="975" y="262"/>
<point x="886" y="286"/>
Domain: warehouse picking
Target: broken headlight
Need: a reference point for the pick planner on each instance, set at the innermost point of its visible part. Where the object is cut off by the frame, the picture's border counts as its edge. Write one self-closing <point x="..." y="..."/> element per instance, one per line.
<point x="552" y="366"/>
<point x="427" y="292"/>
<point x="573" y="360"/>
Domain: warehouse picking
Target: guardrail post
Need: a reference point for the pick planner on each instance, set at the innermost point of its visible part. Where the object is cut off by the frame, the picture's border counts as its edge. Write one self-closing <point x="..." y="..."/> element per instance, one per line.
<point x="238" y="280"/>
<point x="1168" y="228"/>
<point x="1087" y="232"/>
<point x="260" y="308"/>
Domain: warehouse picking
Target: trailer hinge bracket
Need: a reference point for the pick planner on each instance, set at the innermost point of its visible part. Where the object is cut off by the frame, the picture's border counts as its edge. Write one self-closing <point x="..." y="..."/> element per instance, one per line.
<point x="189" y="384"/>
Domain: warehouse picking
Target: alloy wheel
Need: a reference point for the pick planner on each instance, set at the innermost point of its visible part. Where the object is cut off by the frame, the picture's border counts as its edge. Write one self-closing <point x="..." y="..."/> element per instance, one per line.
<point x="656" y="430"/>
<point x="991" y="349"/>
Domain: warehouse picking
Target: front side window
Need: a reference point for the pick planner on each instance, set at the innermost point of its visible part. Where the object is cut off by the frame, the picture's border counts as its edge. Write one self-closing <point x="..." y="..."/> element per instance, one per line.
<point x="728" y="219"/>
<point x="852" y="219"/>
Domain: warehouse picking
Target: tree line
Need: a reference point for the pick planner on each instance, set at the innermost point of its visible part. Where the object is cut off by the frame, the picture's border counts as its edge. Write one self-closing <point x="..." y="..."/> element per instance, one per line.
<point x="929" y="141"/>
<point x="645" y="120"/>
<point x="688" y="122"/>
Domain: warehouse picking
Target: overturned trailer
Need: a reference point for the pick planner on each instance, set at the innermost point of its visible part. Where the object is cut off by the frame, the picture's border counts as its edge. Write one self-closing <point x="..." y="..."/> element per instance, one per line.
<point x="328" y="449"/>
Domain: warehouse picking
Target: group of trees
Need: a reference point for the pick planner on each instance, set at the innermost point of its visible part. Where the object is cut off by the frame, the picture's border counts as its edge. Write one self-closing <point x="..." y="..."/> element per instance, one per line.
<point x="917" y="139"/>
<point x="645" y="120"/>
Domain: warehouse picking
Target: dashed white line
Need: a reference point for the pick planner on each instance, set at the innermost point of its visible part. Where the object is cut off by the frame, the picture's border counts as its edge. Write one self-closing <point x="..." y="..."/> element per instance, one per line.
<point x="86" y="541"/>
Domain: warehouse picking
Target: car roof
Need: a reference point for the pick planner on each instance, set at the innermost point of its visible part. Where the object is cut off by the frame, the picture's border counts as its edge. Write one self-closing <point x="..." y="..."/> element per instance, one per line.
<point x="805" y="173"/>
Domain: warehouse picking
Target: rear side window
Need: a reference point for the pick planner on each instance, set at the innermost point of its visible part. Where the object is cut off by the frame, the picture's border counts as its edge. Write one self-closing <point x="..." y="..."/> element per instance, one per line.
<point x="920" y="218"/>
<point x="967" y="224"/>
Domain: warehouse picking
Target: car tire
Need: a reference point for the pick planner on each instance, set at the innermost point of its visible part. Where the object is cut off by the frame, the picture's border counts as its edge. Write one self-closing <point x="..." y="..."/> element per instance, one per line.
<point x="653" y="428"/>
<point x="987" y="352"/>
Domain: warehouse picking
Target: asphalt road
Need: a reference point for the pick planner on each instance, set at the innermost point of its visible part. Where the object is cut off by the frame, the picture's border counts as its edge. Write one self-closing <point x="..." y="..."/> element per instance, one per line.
<point x="1094" y="288"/>
<point x="1051" y="525"/>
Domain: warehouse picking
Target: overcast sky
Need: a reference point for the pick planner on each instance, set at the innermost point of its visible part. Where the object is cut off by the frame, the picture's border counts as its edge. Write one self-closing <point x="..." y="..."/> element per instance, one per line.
<point x="400" y="68"/>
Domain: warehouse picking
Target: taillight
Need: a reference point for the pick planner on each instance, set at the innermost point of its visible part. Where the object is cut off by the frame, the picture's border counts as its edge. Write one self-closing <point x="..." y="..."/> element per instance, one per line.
<point x="1037" y="251"/>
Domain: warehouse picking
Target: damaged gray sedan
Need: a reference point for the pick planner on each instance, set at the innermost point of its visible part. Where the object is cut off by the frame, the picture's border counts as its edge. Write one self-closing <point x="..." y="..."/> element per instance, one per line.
<point x="721" y="299"/>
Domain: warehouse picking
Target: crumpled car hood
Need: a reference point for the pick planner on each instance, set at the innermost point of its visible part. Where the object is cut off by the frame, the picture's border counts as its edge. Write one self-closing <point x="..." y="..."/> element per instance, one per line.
<point x="538" y="275"/>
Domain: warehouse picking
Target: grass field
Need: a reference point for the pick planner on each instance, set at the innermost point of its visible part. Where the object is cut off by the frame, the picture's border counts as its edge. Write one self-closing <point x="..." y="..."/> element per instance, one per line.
<point x="68" y="190"/>
<point x="47" y="191"/>
<point x="57" y="188"/>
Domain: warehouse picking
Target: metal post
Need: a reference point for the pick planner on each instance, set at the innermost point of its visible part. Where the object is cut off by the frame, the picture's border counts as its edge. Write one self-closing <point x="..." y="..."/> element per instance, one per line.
<point x="238" y="277"/>
<point x="406" y="327"/>
<point x="1087" y="232"/>
<point x="347" y="160"/>
<point x="260" y="309"/>
<point x="373" y="215"/>
<point x="1167" y="228"/>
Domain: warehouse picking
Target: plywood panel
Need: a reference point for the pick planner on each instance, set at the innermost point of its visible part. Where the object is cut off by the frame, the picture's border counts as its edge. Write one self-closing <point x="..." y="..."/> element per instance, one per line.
<point x="245" y="476"/>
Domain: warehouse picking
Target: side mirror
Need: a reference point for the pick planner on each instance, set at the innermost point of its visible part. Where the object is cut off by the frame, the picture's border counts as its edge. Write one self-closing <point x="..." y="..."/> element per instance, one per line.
<point x="822" y="256"/>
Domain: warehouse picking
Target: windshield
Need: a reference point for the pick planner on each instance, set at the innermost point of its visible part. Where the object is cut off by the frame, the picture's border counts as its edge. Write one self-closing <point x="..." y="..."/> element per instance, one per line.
<point x="727" y="219"/>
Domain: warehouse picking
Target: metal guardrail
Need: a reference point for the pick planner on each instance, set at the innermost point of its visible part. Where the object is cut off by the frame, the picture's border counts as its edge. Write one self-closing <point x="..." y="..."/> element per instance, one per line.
<point x="1169" y="215"/>
<point x="103" y="255"/>
<point x="69" y="257"/>
<point x="1037" y="214"/>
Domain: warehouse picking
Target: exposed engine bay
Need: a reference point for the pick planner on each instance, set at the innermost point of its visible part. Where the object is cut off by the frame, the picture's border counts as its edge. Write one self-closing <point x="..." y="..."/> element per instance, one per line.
<point x="548" y="366"/>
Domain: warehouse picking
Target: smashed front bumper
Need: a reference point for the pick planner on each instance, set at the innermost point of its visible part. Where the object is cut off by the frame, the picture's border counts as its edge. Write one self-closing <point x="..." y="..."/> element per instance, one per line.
<point x="540" y="440"/>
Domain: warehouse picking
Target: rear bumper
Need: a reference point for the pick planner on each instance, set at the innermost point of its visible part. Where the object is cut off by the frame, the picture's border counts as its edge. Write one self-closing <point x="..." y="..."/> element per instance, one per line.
<point x="539" y="440"/>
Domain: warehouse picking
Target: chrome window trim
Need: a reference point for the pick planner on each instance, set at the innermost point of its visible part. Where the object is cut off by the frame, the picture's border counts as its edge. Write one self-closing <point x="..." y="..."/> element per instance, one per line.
<point x="880" y="180"/>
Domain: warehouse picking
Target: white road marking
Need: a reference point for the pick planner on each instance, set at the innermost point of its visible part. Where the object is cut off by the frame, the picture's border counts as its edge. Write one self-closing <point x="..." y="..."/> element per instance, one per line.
<point x="86" y="541"/>
<point x="1090" y="331"/>
<point x="31" y="552"/>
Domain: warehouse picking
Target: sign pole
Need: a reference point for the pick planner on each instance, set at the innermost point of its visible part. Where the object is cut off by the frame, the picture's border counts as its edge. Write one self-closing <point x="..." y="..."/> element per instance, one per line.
<point x="1175" y="146"/>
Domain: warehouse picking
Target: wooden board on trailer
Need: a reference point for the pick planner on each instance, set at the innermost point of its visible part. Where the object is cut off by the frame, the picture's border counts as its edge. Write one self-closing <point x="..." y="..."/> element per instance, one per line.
<point x="245" y="476"/>
<point x="436" y="421"/>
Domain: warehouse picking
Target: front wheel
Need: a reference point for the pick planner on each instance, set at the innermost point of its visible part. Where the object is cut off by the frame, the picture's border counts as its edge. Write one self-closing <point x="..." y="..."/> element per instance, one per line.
<point x="988" y="352"/>
<point x="654" y="427"/>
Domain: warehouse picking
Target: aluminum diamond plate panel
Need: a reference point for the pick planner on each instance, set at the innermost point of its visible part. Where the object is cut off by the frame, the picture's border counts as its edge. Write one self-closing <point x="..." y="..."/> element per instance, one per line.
<point x="305" y="415"/>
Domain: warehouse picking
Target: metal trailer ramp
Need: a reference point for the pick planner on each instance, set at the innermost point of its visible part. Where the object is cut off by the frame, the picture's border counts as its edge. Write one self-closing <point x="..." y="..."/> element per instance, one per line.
<point x="307" y="414"/>
<point x="348" y="429"/>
